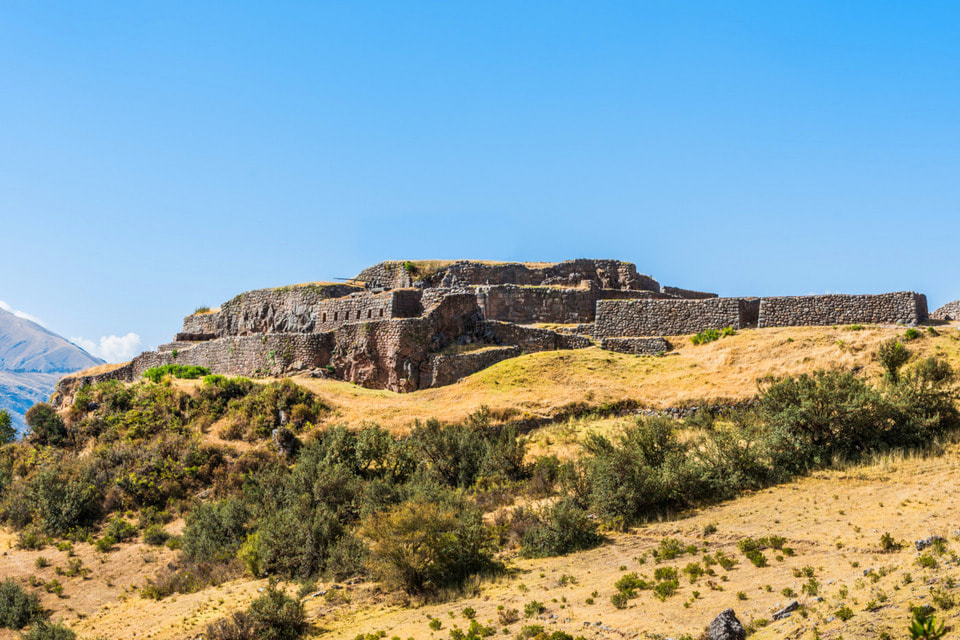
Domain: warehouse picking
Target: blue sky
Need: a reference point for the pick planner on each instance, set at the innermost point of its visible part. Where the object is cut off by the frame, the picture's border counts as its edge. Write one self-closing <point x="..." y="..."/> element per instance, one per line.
<point x="155" y="157"/>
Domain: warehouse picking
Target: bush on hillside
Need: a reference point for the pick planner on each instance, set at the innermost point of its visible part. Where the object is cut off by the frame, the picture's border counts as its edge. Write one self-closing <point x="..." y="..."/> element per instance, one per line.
<point x="63" y="500"/>
<point x="17" y="607"/>
<point x="7" y="433"/>
<point x="892" y="355"/>
<point x="214" y="531"/>
<point x="186" y="372"/>
<point x="272" y="616"/>
<point x="49" y="631"/>
<point x="562" y="529"/>
<point x="46" y="426"/>
<point x="422" y="547"/>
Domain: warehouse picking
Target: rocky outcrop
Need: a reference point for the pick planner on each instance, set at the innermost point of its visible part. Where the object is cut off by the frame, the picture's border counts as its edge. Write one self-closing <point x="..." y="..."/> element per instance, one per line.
<point x="726" y="626"/>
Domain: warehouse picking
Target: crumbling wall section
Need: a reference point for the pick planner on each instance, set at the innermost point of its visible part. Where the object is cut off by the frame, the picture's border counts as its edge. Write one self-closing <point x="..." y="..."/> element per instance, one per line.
<point x="949" y="311"/>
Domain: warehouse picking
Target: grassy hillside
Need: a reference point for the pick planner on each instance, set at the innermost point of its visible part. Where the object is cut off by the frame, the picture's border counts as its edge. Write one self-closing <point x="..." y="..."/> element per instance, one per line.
<point x="825" y="485"/>
<point x="552" y="383"/>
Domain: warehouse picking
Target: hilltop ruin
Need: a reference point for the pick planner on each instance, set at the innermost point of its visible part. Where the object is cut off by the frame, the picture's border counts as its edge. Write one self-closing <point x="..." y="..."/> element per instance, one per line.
<point x="411" y="325"/>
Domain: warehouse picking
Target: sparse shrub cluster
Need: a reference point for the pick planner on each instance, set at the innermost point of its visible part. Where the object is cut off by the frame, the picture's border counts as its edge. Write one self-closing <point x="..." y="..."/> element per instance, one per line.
<point x="185" y="372"/>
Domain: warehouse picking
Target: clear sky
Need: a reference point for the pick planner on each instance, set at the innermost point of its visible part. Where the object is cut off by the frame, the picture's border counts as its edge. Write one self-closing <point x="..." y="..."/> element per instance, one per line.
<point x="159" y="156"/>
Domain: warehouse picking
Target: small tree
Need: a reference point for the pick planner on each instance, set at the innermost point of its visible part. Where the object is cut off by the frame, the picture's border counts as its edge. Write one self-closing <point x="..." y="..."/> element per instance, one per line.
<point x="892" y="356"/>
<point x="7" y="433"/>
<point x="46" y="427"/>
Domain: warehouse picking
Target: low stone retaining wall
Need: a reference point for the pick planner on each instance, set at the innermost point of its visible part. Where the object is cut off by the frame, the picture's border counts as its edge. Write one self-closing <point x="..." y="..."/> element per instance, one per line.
<point x="636" y="346"/>
<point x="447" y="369"/>
<point x="902" y="307"/>
<point x="530" y="339"/>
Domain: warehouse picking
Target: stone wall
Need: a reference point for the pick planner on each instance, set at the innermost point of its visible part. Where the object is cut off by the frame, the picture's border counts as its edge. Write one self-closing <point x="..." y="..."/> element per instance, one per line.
<point x="447" y="369"/>
<point x="689" y="294"/>
<point x="617" y="318"/>
<point x="530" y="339"/>
<point x="949" y="311"/>
<point x="606" y="274"/>
<point x="204" y="324"/>
<point x="902" y="307"/>
<point x="302" y="309"/>
<point x="636" y="346"/>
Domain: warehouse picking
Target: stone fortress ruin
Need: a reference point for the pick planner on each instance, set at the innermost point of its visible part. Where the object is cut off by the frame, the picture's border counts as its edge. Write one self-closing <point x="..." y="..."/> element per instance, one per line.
<point x="405" y="326"/>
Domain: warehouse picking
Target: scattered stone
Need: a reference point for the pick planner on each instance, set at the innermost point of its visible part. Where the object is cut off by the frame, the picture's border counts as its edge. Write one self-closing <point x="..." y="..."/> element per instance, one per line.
<point x="786" y="611"/>
<point x="927" y="542"/>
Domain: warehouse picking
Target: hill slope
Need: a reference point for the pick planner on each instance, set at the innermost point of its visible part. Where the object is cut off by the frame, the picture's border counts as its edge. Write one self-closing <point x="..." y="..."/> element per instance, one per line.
<point x="32" y="359"/>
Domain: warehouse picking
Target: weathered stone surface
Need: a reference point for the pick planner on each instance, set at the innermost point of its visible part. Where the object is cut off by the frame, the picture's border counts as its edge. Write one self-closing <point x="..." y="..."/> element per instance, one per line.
<point x="902" y="307"/>
<point x="785" y="612"/>
<point x="606" y="274"/>
<point x="726" y="626"/>
<point x="636" y="346"/>
<point x="949" y="311"/>
<point x="670" y="317"/>
<point x="920" y="545"/>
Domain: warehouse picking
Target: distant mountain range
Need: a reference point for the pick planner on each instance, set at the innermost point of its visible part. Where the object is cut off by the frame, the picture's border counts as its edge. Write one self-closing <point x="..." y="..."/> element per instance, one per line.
<point x="32" y="359"/>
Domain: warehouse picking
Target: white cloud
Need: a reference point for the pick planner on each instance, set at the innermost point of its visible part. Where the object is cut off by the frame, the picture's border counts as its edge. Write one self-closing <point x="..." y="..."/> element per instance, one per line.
<point x="20" y="314"/>
<point x="111" y="348"/>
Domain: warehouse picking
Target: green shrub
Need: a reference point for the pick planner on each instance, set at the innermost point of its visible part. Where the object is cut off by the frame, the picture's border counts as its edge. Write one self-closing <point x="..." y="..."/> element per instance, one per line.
<point x="844" y="613"/>
<point x="120" y="530"/>
<point x="49" y="631"/>
<point x="707" y="335"/>
<point x="105" y="544"/>
<point x="7" y="433"/>
<point x="277" y="616"/>
<point x="46" y="426"/>
<point x="533" y="608"/>
<point x="423" y="546"/>
<point x="564" y="528"/>
<point x="155" y="535"/>
<point x="619" y="600"/>
<point x="186" y="372"/>
<point x="892" y="356"/>
<point x="214" y="531"/>
<point x="911" y="334"/>
<point x="62" y="502"/>
<point x="17" y="607"/>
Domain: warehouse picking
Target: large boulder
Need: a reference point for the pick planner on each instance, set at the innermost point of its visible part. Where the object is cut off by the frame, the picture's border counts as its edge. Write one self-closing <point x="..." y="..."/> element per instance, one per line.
<point x="726" y="627"/>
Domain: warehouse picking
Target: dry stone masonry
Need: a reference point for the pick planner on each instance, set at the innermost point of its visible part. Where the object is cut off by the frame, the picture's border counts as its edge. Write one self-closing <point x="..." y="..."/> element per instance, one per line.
<point x="408" y="325"/>
<point x="672" y="317"/>
<point x="903" y="307"/>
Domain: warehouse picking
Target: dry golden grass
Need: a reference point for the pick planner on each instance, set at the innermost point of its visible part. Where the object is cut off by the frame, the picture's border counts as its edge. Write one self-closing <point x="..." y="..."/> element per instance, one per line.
<point x="103" y="368"/>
